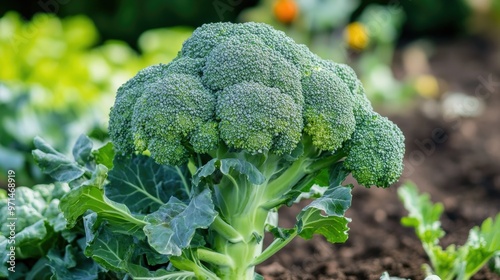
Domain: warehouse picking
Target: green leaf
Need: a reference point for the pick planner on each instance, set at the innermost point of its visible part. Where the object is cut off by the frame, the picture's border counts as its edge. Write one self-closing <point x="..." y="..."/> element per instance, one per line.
<point x="34" y="235"/>
<point x="54" y="216"/>
<point x="444" y="262"/>
<point x="82" y="150"/>
<point x="152" y="256"/>
<point x="204" y="171"/>
<point x="30" y="206"/>
<point x="461" y="263"/>
<point x="109" y="249"/>
<point x="172" y="227"/>
<point x="72" y="264"/>
<point x="52" y="191"/>
<point x="55" y="164"/>
<point x="332" y="224"/>
<point x="104" y="155"/>
<point x="144" y="185"/>
<point x="243" y="167"/>
<point x="41" y="270"/>
<point x="423" y="214"/>
<point x="338" y="173"/>
<point x="482" y="244"/>
<point x="90" y="196"/>
<point x="34" y="240"/>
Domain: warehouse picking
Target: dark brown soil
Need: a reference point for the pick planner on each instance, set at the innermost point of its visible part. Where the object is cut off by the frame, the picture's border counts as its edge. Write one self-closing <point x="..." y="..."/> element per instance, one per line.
<point x="463" y="172"/>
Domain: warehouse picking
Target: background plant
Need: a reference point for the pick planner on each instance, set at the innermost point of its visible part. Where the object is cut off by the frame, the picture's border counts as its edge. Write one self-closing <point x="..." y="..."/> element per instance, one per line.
<point x="56" y="81"/>
<point x="453" y="262"/>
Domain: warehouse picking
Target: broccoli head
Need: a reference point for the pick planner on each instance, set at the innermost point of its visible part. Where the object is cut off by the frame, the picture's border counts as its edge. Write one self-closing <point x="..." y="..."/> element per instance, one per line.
<point x="249" y="89"/>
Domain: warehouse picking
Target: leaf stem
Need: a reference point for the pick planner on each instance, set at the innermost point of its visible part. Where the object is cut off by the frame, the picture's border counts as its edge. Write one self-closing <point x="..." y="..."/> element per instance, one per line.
<point x="274" y="247"/>
<point x="214" y="257"/>
<point x="226" y="230"/>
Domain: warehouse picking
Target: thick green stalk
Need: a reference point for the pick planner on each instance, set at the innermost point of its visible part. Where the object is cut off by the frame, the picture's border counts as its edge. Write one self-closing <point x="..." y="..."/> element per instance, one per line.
<point x="242" y="216"/>
<point x="289" y="178"/>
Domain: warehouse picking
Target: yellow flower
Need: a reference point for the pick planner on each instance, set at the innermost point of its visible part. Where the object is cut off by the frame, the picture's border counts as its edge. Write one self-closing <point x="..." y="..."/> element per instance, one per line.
<point x="427" y="86"/>
<point x="356" y="36"/>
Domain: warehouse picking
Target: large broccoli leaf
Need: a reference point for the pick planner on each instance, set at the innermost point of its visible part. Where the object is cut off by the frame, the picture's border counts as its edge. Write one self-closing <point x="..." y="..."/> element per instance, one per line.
<point x="143" y="185"/>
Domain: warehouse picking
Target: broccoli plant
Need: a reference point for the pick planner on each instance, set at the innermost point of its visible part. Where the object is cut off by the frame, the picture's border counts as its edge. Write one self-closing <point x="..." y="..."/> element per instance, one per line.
<point x="209" y="146"/>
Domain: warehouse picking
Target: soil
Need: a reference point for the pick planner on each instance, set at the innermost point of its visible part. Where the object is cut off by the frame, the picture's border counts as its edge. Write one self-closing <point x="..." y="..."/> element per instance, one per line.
<point x="461" y="169"/>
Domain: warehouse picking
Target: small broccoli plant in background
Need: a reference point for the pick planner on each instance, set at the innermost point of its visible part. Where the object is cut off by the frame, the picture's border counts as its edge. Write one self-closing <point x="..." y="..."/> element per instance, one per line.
<point x="209" y="146"/>
<point x="453" y="262"/>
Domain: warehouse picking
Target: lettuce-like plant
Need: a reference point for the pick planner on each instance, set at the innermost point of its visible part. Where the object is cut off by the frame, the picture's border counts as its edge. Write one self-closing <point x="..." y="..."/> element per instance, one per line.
<point x="453" y="262"/>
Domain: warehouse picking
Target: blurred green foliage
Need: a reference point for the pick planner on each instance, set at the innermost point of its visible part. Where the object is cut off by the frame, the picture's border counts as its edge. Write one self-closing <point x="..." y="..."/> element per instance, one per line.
<point x="55" y="81"/>
<point x="126" y="20"/>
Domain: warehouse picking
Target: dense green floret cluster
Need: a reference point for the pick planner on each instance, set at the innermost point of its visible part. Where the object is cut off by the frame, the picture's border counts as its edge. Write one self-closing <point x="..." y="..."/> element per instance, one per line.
<point x="251" y="88"/>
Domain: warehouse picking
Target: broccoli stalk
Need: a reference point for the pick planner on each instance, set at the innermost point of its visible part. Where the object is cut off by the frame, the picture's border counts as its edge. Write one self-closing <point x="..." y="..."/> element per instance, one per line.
<point x="257" y="118"/>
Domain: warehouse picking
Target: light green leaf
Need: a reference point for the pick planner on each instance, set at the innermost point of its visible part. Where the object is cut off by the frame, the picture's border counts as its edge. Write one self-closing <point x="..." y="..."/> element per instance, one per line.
<point x="54" y="216"/>
<point x="30" y="206"/>
<point x="386" y="276"/>
<point x="423" y="214"/>
<point x="173" y="226"/>
<point x="104" y="155"/>
<point x="90" y="196"/>
<point x="144" y="185"/>
<point x="51" y="191"/>
<point x="482" y="244"/>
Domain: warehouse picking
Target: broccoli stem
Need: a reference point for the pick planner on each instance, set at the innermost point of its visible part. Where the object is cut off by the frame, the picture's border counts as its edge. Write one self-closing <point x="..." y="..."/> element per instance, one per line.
<point x="241" y="217"/>
<point x="298" y="170"/>
<point x="244" y="207"/>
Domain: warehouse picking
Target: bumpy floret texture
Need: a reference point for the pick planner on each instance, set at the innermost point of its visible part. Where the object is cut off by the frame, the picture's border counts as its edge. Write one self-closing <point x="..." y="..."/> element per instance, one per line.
<point x="255" y="90"/>
<point x="372" y="158"/>
<point x="120" y="117"/>
<point x="259" y="118"/>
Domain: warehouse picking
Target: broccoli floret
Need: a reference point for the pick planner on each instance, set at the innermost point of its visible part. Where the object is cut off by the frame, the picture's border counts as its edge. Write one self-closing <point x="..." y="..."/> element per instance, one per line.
<point x="254" y="90"/>
<point x="167" y="113"/>
<point x="258" y="118"/>
<point x="376" y="152"/>
<point x="120" y="117"/>
<point x="328" y="110"/>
